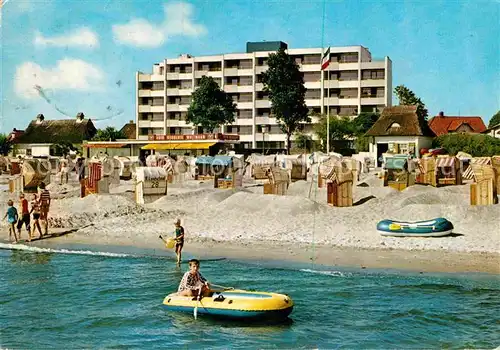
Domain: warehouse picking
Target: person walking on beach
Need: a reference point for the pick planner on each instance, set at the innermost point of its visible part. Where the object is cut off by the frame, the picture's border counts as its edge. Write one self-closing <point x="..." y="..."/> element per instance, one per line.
<point x="44" y="207"/>
<point x="193" y="283"/>
<point x="12" y="217"/>
<point x="35" y="209"/>
<point x="179" y="240"/>
<point x="25" y="217"/>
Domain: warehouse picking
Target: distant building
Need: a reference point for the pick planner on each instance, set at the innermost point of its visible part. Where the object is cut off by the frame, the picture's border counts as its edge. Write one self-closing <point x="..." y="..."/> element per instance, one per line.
<point x="494" y="131"/>
<point x="41" y="134"/>
<point x="129" y="130"/>
<point x="353" y="80"/>
<point x="399" y="131"/>
<point x="442" y="125"/>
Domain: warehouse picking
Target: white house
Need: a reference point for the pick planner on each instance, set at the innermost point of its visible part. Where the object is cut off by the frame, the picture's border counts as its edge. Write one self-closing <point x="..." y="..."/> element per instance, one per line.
<point x="399" y="131"/>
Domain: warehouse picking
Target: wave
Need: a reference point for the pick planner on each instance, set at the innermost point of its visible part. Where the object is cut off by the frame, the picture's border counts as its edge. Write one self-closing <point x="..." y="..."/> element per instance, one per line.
<point x="328" y="273"/>
<point x="23" y="247"/>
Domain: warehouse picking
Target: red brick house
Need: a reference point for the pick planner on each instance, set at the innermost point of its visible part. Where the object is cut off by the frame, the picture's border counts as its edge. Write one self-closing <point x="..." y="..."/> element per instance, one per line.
<point x="442" y="124"/>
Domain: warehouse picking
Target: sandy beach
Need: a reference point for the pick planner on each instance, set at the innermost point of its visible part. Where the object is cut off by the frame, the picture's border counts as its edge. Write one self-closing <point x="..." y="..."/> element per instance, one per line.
<point x="245" y="224"/>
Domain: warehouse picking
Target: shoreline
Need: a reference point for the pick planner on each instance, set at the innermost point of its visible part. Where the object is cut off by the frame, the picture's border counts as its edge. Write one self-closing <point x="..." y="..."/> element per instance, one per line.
<point x="324" y="255"/>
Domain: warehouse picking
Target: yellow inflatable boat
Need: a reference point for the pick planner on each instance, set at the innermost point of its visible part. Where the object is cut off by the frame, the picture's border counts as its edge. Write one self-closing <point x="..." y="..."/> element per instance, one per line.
<point x="237" y="304"/>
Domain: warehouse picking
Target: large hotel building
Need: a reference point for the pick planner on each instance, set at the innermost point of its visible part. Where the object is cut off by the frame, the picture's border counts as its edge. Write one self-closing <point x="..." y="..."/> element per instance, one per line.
<point x="356" y="83"/>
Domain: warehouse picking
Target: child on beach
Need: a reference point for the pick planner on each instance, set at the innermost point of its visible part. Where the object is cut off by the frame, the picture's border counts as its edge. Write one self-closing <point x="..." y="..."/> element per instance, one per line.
<point x="35" y="210"/>
<point x="44" y="206"/>
<point x="179" y="238"/>
<point x="193" y="283"/>
<point x="12" y="217"/>
<point x="25" y="216"/>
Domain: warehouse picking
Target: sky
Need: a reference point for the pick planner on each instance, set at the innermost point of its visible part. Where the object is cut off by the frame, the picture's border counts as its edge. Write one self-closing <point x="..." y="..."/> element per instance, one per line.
<point x="61" y="57"/>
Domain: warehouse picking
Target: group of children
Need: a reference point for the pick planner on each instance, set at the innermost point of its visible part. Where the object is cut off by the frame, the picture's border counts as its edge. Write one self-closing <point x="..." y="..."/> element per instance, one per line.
<point x="39" y="209"/>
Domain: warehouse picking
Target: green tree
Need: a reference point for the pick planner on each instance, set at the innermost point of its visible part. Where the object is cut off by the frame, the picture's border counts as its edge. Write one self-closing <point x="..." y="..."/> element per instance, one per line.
<point x="477" y="145"/>
<point x="284" y="84"/>
<point x="341" y="128"/>
<point x="108" y="134"/>
<point x="407" y="97"/>
<point x="303" y="142"/>
<point x="5" y="145"/>
<point x="364" y="121"/>
<point x="495" y="120"/>
<point x="62" y="148"/>
<point x="210" y="107"/>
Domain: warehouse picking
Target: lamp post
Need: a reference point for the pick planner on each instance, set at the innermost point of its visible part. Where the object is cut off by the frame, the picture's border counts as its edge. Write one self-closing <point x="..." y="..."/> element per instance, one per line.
<point x="264" y="130"/>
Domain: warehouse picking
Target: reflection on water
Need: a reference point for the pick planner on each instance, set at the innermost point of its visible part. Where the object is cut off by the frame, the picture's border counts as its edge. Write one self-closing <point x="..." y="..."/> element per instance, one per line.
<point x="20" y="257"/>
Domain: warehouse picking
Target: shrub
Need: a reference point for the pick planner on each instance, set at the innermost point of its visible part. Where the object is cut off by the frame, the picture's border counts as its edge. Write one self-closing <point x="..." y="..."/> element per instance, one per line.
<point x="477" y="145"/>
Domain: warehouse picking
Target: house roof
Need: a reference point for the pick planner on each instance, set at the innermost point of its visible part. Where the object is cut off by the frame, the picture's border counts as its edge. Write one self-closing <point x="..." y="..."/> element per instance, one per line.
<point x="445" y="124"/>
<point x="129" y="130"/>
<point x="75" y="130"/>
<point x="399" y="121"/>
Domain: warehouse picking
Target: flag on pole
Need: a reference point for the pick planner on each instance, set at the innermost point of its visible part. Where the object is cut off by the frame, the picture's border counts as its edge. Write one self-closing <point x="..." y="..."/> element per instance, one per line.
<point x="325" y="60"/>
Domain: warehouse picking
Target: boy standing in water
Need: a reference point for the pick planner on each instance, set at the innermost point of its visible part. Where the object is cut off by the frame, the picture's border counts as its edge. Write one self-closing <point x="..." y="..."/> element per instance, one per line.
<point x="193" y="282"/>
<point x="179" y="238"/>
<point x="12" y="217"/>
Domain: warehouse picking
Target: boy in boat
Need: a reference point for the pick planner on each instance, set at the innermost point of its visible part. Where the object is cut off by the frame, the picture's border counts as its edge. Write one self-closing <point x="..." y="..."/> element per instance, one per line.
<point x="12" y="217"/>
<point x="193" y="282"/>
<point x="179" y="240"/>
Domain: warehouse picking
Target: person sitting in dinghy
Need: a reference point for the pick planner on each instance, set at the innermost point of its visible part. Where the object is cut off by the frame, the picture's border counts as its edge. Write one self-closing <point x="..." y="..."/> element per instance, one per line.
<point x="193" y="282"/>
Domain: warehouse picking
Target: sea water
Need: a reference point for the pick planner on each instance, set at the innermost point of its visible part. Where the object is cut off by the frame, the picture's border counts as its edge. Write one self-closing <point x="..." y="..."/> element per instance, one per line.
<point x="62" y="298"/>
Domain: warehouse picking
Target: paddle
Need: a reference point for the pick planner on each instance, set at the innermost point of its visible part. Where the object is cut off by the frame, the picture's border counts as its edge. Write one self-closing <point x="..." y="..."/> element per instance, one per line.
<point x="198" y="297"/>
<point x="222" y="287"/>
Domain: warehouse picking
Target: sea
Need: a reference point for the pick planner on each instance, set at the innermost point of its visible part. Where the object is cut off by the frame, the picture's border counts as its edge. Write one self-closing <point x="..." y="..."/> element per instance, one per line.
<point x="91" y="297"/>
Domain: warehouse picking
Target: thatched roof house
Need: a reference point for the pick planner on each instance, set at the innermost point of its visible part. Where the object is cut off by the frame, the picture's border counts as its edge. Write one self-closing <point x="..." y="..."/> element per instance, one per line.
<point x="399" y="131"/>
<point x="42" y="133"/>
<point x="399" y="121"/>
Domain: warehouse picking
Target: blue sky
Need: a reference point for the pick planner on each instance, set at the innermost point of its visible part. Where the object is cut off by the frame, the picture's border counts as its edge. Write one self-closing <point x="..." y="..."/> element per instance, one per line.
<point x="84" y="54"/>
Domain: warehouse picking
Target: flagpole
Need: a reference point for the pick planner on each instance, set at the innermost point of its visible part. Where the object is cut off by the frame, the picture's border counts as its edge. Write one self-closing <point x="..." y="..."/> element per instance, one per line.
<point x="328" y="109"/>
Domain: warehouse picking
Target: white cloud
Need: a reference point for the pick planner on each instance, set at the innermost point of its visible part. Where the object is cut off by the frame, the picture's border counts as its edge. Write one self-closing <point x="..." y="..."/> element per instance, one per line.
<point x="141" y="33"/>
<point x="82" y="37"/>
<point x="67" y="74"/>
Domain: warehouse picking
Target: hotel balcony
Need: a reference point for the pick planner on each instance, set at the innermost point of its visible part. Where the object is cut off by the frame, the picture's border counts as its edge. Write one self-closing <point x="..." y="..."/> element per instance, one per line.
<point x="310" y="67"/>
<point x="312" y="84"/>
<point x="209" y="73"/>
<point x="177" y="123"/>
<point x="246" y="138"/>
<point x="244" y="105"/>
<point x="238" y="88"/>
<point x="265" y="121"/>
<point x="235" y="72"/>
<point x="353" y="101"/>
<point x="150" y="77"/>
<point x="347" y="66"/>
<point x="151" y="124"/>
<point x="270" y="137"/>
<point x="179" y="76"/>
<point x="373" y="65"/>
<point x="373" y="100"/>
<point x="151" y="109"/>
<point x="262" y="104"/>
<point x="332" y="101"/>
<point x="373" y="83"/>
<point x="313" y="102"/>
<point x="151" y="93"/>
<point x="243" y="121"/>
<point x="259" y="87"/>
